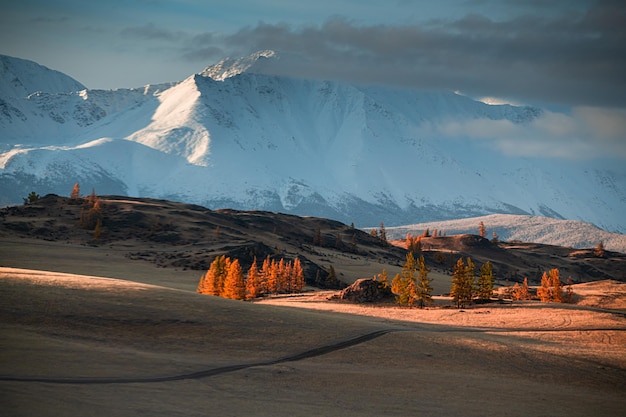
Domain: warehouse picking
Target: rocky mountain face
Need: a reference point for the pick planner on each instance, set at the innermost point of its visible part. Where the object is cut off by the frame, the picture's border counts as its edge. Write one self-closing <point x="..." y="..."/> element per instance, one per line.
<point x="234" y="136"/>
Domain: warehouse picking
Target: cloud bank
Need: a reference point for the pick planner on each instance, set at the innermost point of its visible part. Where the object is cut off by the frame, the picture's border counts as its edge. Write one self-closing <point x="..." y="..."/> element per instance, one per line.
<point x="586" y="133"/>
<point x="574" y="59"/>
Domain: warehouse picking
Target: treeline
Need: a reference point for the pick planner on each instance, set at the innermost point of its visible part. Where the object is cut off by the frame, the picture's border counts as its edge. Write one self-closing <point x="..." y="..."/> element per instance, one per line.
<point x="225" y="278"/>
<point x="469" y="284"/>
<point x="550" y="290"/>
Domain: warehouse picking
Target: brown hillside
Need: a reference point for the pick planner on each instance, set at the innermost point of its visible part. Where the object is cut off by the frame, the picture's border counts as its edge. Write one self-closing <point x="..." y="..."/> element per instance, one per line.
<point x="141" y="233"/>
<point x="188" y="237"/>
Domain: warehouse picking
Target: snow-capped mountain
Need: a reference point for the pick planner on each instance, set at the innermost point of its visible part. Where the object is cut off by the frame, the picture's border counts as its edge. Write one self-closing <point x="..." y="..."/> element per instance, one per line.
<point x="524" y="228"/>
<point x="234" y="136"/>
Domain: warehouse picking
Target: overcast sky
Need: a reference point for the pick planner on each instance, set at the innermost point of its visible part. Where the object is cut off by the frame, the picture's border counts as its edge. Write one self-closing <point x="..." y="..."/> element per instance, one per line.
<point x="559" y="54"/>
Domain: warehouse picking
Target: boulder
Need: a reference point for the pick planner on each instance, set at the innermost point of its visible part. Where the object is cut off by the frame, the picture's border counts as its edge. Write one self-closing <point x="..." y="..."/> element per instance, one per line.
<point x="364" y="290"/>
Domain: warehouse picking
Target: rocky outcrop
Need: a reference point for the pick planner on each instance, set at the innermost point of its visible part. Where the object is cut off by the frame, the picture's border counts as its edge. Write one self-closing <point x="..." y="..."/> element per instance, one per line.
<point x="365" y="290"/>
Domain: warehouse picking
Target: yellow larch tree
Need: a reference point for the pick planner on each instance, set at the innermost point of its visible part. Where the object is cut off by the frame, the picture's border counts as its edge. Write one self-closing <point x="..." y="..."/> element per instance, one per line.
<point x="253" y="289"/>
<point x="234" y="285"/>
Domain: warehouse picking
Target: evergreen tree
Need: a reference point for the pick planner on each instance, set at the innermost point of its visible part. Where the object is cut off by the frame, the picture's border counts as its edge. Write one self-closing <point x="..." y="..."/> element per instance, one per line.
<point x="414" y="243"/>
<point x="555" y="281"/>
<point x="317" y="237"/>
<point x="234" y="286"/>
<point x="403" y="284"/>
<point x="544" y="292"/>
<point x="298" y="276"/>
<point x="91" y="199"/>
<point x="462" y="288"/>
<point x="485" y="281"/>
<point x="217" y="274"/>
<point x="265" y="276"/>
<point x="353" y="243"/>
<point x="91" y="214"/>
<point x="281" y="283"/>
<point x="75" y="194"/>
<point x="516" y="292"/>
<point x="482" y="231"/>
<point x="253" y="288"/>
<point x="331" y="279"/>
<point x="423" y="289"/>
<point x="32" y="198"/>
<point x="383" y="279"/>
<point x="204" y="285"/>
<point x="524" y="291"/>
<point x="382" y="234"/>
<point x="470" y="279"/>
<point x="273" y="279"/>
<point x="97" y="231"/>
<point x="456" y="289"/>
<point x="599" y="250"/>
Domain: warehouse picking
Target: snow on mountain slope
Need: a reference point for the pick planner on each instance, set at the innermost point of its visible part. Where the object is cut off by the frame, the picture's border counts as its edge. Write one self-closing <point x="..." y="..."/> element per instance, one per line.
<point x="509" y="227"/>
<point x="20" y="78"/>
<point x="231" y="136"/>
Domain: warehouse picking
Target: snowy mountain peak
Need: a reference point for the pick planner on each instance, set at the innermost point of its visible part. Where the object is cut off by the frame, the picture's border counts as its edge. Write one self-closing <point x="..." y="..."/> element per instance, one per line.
<point x="230" y="67"/>
<point x="20" y="78"/>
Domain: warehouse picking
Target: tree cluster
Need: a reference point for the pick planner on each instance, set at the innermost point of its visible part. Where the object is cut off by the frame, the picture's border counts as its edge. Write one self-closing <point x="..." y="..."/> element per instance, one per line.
<point x="412" y="284"/>
<point x="91" y="214"/>
<point x="521" y="292"/>
<point x="550" y="288"/>
<point x="225" y="278"/>
<point x="413" y="243"/>
<point x="465" y="287"/>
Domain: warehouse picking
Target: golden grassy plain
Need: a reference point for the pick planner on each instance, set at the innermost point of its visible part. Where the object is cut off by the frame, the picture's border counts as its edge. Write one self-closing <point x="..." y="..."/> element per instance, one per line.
<point x="146" y="344"/>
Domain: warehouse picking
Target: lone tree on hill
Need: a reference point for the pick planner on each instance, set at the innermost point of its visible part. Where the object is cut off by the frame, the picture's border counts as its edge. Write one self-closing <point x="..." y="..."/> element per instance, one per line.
<point x="32" y="198"/>
<point x="75" y="194"/>
<point x="382" y="234"/>
<point x="482" y="231"/>
<point x="599" y="250"/>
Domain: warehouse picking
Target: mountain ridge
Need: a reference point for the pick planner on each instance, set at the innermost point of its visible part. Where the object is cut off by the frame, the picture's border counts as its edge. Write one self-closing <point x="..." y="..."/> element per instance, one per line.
<point x="250" y="140"/>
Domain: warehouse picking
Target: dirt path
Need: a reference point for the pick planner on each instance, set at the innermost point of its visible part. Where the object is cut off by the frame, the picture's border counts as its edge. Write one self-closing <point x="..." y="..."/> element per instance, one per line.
<point x="319" y="351"/>
<point x="323" y="350"/>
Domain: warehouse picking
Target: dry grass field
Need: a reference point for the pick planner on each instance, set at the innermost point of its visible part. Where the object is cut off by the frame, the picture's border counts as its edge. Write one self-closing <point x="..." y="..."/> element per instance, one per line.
<point x="81" y="345"/>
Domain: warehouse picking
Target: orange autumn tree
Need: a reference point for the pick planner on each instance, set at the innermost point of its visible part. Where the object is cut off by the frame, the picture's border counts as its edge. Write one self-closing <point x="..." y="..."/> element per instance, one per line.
<point x="551" y="289"/>
<point x="253" y="281"/>
<point x="225" y="278"/>
<point x="234" y="284"/>
<point x="212" y="282"/>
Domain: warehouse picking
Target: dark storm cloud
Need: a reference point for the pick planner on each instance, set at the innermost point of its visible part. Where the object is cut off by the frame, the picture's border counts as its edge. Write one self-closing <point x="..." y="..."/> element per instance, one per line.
<point x="577" y="58"/>
<point x="150" y="31"/>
